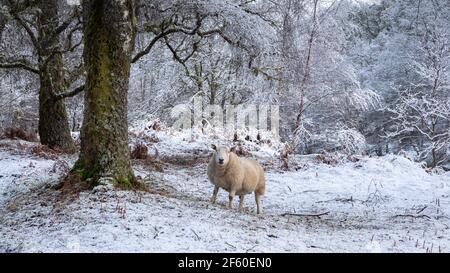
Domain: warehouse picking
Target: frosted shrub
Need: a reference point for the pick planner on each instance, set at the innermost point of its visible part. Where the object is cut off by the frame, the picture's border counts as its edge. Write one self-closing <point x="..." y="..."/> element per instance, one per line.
<point x="351" y="141"/>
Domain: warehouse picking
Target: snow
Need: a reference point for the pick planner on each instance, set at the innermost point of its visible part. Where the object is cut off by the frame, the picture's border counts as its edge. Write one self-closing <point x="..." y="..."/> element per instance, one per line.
<point x="380" y="204"/>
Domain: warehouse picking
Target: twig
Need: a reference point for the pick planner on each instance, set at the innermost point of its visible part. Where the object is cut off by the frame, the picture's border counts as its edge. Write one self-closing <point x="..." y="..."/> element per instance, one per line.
<point x="198" y="237"/>
<point x="230" y="245"/>
<point x="305" y="215"/>
<point x="422" y="209"/>
<point x="343" y="200"/>
<point x="156" y="232"/>
<point x="249" y="249"/>
<point x="412" y="216"/>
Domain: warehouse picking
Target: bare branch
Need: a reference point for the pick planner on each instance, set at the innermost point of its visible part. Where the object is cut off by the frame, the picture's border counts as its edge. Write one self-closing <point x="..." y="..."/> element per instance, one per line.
<point x="305" y="215"/>
<point x="69" y="47"/>
<point x="72" y="93"/>
<point x="28" y="29"/>
<point x="152" y="43"/>
<point x="20" y="64"/>
<point x="61" y="28"/>
<point x="75" y="74"/>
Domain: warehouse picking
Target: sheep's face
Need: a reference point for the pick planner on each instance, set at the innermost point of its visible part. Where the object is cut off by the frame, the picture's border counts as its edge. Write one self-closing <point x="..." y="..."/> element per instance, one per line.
<point x="221" y="155"/>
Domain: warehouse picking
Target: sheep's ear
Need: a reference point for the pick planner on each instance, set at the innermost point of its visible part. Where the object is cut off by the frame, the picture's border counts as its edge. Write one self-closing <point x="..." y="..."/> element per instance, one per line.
<point x="214" y="147"/>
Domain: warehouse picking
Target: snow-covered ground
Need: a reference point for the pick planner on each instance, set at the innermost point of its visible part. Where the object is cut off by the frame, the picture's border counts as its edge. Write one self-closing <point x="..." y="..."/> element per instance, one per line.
<point x="386" y="204"/>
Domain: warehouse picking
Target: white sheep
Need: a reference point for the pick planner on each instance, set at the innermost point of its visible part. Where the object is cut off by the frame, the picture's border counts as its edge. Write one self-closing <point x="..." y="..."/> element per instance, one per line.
<point x="238" y="176"/>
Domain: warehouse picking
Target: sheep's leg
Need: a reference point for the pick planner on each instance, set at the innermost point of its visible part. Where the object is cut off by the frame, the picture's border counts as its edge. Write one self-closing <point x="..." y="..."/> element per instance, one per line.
<point x="214" y="196"/>
<point x="241" y="203"/>
<point x="230" y="199"/>
<point x="258" y="204"/>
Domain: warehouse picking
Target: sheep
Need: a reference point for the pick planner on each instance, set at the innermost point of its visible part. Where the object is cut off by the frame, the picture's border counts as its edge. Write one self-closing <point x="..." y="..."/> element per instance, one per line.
<point x="238" y="176"/>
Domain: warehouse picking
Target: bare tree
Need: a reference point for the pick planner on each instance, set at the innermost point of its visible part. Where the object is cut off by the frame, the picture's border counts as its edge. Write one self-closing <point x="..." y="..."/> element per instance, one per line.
<point x="43" y="30"/>
<point x="109" y="35"/>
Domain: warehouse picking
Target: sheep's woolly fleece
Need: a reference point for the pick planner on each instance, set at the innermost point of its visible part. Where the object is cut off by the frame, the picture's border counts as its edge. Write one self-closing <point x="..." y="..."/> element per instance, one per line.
<point x="238" y="176"/>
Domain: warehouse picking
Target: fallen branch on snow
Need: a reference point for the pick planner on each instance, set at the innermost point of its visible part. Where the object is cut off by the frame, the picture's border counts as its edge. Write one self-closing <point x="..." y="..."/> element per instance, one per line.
<point x="422" y="209"/>
<point x="305" y="215"/>
<point x="412" y="216"/>
<point x="196" y="235"/>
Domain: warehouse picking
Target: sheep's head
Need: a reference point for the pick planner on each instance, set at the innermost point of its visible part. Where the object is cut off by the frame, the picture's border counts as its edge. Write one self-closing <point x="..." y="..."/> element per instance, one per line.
<point x="221" y="155"/>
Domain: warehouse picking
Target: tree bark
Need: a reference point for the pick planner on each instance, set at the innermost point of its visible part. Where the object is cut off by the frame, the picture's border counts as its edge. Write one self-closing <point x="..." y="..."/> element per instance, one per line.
<point x="109" y="27"/>
<point x="53" y="121"/>
<point x="2" y="23"/>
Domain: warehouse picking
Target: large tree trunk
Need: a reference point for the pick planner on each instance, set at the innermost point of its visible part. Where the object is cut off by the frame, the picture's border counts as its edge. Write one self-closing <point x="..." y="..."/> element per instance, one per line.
<point x="108" y="41"/>
<point x="53" y="122"/>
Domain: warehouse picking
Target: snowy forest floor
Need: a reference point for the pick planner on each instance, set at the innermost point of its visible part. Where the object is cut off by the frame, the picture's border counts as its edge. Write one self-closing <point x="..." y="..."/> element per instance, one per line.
<point x="385" y="204"/>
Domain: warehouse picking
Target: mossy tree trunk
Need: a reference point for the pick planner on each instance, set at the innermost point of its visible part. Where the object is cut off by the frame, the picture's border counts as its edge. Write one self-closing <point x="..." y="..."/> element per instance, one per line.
<point x="108" y="42"/>
<point x="53" y="121"/>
